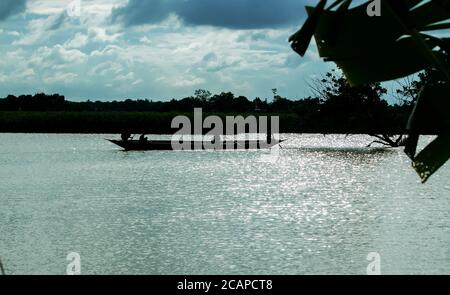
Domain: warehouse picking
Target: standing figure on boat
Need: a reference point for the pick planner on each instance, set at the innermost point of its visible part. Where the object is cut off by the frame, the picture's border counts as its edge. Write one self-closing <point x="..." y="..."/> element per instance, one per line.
<point x="143" y="138"/>
<point x="126" y="136"/>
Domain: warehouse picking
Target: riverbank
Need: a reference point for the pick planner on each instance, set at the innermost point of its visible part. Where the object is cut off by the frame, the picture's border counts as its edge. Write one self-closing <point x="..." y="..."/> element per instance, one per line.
<point x="158" y="122"/>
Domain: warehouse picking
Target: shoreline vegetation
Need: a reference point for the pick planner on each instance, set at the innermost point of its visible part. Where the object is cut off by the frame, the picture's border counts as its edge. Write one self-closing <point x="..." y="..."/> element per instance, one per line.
<point x="112" y="122"/>
<point x="359" y="112"/>
<point x="156" y="123"/>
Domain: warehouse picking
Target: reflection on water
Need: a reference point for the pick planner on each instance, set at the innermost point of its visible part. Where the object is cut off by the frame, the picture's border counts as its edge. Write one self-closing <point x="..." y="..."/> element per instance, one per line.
<point x="319" y="209"/>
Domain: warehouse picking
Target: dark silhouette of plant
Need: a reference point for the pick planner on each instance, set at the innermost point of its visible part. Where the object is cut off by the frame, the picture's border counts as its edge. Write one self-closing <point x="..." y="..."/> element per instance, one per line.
<point x="202" y="94"/>
<point x="387" y="47"/>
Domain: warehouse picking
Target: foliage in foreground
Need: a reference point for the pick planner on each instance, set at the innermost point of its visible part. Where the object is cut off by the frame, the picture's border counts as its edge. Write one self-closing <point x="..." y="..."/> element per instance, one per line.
<point x="387" y="47"/>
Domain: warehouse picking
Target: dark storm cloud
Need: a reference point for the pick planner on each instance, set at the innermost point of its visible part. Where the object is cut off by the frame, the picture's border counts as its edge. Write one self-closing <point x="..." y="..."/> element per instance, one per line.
<point x="236" y="14"/>
<point x="11" y="7"/>
<point x="138" y="12"/>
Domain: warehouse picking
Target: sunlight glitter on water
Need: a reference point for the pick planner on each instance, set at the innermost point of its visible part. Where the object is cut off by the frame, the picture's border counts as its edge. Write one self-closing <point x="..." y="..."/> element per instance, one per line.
<point x="320" y="208"/>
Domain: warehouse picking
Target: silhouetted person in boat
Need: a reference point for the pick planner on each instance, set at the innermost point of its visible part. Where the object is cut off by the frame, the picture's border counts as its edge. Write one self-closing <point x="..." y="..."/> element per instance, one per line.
<point x="126" y="136"/>
<point x="142" y="138"/>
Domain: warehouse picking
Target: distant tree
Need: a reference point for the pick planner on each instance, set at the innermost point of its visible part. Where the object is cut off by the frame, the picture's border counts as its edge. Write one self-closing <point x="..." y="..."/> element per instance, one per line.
<point x="360" y="107"/>
<point x="203" y="95"/>
<point x="280" y="104"/>
<point x="38" y="102"/>
<point x="410" y="87"/>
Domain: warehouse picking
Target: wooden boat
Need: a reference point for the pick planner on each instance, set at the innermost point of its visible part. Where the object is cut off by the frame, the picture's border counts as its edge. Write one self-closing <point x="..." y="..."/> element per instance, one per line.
<point x="168" y="145"/>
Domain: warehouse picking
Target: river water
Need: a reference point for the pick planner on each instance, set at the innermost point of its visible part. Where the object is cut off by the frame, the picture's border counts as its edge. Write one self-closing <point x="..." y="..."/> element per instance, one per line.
<point x="319" y="205"/>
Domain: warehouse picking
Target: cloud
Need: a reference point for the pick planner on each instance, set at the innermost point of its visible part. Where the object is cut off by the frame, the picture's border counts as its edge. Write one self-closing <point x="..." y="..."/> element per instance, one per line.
<point x="212" y="63"/>
<point x="188" y="81"/>
<point x="78" y="41"/>
<point x="181" y="47"/>
<point x="10" y="33"/>
<point x="60" y="77"/>
<point x="145" y="40"/>
<point x="257" y="36"/>
<point x="125" y="77"/>
<point x="106" y="69"/>
<point x="46" y="57"/>
<point x="42" y="28"/>
<point x="137" y="82"/>
<point x="11" y="7"/>
<point x="292" y="61"/>
<point x="13" y="33"/>
<point x="234" y="14"/>
<point x="57" y="21"/>
<point x="101" y="35"/>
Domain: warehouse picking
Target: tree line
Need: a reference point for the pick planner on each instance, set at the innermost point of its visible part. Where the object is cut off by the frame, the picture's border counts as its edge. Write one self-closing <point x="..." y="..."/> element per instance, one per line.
<point x="334" y="107"/>
<point x="225" y="102"/>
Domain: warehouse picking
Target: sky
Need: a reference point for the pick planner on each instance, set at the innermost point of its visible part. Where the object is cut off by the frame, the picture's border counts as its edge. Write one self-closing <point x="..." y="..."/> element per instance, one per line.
<point x="153" y="49"/>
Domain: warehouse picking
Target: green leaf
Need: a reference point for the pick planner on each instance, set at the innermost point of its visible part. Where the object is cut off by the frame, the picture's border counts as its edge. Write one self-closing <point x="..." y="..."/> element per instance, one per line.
<point x="436" y="27"/>
<point x="432" y="111"/>
<point x="376" y="49"/>
<point x="411" y="145"/>
<point x="430" y="115"/>
<point x="302" y="39"/>
<point x="383" y="64"/>
<point x="337" y="26"/>
<point x="431" y="12"/>
<point x="433" y="157"/>
<point x="373" y="50"/>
